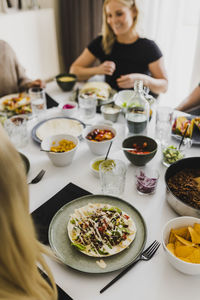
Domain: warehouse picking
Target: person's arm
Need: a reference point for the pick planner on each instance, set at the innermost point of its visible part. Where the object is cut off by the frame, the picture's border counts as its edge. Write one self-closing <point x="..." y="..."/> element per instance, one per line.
<point x="25" y="82"/>
<point x="83" y="69"/>
<point x="158" y="83"/>
<point x="191" y="101"/>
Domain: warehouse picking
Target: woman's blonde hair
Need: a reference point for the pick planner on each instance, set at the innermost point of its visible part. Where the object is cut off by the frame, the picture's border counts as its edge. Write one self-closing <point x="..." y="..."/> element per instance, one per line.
<point x="20" y="252"/>
<point x="107" y="32"/>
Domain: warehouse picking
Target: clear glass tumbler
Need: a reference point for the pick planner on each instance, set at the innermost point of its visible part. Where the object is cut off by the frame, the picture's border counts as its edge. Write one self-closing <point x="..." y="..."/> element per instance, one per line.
<point x="146" y="180"/>
<point x="38" y="100"/>
<point x="16" y="128"/>
<point x="87" y="107"/>
<point x="164" y="117"/>
<point x="112" y="176"/>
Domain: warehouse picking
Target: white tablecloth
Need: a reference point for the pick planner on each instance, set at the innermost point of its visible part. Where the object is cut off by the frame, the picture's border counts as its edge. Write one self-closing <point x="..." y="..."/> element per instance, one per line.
<point x="152" y="280"/>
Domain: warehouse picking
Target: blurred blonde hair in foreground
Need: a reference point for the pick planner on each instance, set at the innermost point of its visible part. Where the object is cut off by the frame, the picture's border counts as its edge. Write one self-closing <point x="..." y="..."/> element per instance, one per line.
<point x="20" y="252"/>
<point x="108" y="34"/>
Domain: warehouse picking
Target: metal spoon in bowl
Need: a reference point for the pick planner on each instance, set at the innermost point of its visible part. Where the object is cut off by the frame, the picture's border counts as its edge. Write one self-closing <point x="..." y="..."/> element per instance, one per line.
<point x="108" y="151"/>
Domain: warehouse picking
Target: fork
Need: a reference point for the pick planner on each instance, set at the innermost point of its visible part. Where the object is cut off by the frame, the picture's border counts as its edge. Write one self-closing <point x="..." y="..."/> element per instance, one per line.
<point x="146" y="255"/>
<point x="37" y="178"/>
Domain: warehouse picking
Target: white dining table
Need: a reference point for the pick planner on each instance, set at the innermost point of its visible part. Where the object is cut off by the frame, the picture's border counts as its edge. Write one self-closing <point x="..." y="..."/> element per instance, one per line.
<point x="155" y="279"/>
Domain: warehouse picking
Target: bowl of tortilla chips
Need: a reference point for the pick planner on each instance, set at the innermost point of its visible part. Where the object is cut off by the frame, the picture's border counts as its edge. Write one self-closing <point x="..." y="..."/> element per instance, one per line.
<point x="181" y="243"/>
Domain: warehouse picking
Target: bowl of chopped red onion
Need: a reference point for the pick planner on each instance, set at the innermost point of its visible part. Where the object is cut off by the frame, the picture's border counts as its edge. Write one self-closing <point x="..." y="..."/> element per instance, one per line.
<point x="146" y="180"/>
<point x="139" y="149"/>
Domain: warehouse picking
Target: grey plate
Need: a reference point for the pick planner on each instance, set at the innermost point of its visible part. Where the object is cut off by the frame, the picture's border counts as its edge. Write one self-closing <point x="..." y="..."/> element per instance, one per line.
<point x="33" y="132"/>
<point x="195" y="135"/>
<point x="25" y="161"/>
<point x="61" y="245"/>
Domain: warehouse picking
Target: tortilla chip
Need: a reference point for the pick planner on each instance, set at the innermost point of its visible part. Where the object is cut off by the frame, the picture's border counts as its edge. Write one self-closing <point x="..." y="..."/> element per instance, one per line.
<point x="184" y="251"/>
<point x="171" y="248"/>
<point x="178" y="243"/>
<point x="186" y="259"/>
<point x="195" y="256"/>
<point x="184" y="241"/>
<point x="197" y="227"/>
<point x="183" y="232"/>
<point x="195" y="237"/>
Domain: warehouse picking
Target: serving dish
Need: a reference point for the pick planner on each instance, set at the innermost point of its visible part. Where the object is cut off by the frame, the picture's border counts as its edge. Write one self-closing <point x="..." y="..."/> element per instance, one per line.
<point x="179" y="264"/>
<point x="60" y="159"/>
<point x="195" y="134"/>
<point x="180" y="207"/>
<point x="59" y="130"/>
<point x="111" y="112"/>
<point x="26" y="162"/>
<point x="66" y="81"/>
<point x="101" y="90"/>
<point x="15" y="104"/>
<point x="61" y="245"/>
<point x="99" y="147"/>
<point x="69" y="108"/>
<point x="140" y="159"/>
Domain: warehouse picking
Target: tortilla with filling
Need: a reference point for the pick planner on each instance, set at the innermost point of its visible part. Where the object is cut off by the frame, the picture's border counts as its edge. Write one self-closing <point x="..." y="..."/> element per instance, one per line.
<point x="101" y="230"/>
<point x="59" y="126"/>
<point x="100" y="89"/>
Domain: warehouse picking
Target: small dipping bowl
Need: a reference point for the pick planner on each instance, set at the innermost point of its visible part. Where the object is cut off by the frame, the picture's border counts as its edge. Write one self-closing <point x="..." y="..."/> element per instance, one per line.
<point x="111" y="112"/>
<point x="94" y="165"/>
<point x="69" y="108"/>
<point x="146" y="179"/>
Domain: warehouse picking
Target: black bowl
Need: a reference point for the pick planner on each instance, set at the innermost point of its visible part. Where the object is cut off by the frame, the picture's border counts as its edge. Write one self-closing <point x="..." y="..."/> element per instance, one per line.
<point x="140" y="159"/>
<point x="68" y="84"/>
<point x="181" y="207"/>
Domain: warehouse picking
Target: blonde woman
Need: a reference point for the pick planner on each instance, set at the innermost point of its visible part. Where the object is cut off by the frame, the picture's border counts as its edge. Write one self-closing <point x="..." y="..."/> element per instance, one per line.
<point x="124" y="55"/>
<point x="20" y="252"/>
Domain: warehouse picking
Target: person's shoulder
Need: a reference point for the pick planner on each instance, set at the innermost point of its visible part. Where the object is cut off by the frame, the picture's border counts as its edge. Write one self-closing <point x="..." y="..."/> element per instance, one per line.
<point x="147" y="42"/>
<point x="5" y="44"/>
<point x="153" y="51"/>
<point x="97" y="40"/>
<point x="5" y="47"/>
<point x="95" y="45"/>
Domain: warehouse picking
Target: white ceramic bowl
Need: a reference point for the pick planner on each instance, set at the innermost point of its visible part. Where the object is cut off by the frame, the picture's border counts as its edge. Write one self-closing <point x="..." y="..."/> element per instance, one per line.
<point x="94" y="171"/>
<point x="124" y="96"/>
<point x="67" y="111"/>
<point x="180" y="265"/>
<point x="99" y="148"/>
<point x="111" y="112"/>
<point x="59" y="159"/>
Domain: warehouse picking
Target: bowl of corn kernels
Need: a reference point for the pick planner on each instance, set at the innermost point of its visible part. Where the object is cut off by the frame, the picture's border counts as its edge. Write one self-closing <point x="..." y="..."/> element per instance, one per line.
<point x="60" y="148"/>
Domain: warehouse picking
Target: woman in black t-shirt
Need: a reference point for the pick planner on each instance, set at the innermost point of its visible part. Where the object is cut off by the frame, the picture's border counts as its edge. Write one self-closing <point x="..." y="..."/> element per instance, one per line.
<point x="124" y="56"/>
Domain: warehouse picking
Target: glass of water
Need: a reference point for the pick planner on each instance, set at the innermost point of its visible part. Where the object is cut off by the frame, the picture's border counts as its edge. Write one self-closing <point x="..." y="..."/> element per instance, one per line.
<point x="164" y="117"/>
<point x="16" y="128"/>
<point x="112" y="176"/>
<point x="38" y="100"/>
<point x="87" y="107"/>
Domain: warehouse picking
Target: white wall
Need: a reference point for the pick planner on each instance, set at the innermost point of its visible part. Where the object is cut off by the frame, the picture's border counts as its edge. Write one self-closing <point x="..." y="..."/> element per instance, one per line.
<point x="33" y="35"/>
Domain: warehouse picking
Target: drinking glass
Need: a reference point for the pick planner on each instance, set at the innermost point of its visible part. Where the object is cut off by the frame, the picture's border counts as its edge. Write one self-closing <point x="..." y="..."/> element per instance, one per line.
<point x="87" y="107"/>
<point x="164" y="117"/>
<point x="146" y="180"/>
<point x="16" y="128"/>
<point x="38" y="101"/>
<point x="112" y="176"/>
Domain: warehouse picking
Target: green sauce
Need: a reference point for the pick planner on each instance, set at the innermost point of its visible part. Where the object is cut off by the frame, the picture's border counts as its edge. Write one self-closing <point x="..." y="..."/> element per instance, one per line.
<point x="108" y="164"/>
<point x="96" y="164"/>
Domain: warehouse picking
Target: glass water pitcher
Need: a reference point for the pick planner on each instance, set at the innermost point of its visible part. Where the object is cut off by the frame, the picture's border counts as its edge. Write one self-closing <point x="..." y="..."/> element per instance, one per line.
<point x="137" y="115"/>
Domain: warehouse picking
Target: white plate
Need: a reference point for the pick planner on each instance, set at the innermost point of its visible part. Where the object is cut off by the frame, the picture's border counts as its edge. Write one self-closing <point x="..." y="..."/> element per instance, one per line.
<point x="24" y="101"/>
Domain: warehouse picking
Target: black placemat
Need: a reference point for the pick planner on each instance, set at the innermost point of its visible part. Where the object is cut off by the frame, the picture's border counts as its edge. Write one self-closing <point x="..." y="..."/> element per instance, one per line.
<point x="42" y="217"/>
<point x="50" y="101"/>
